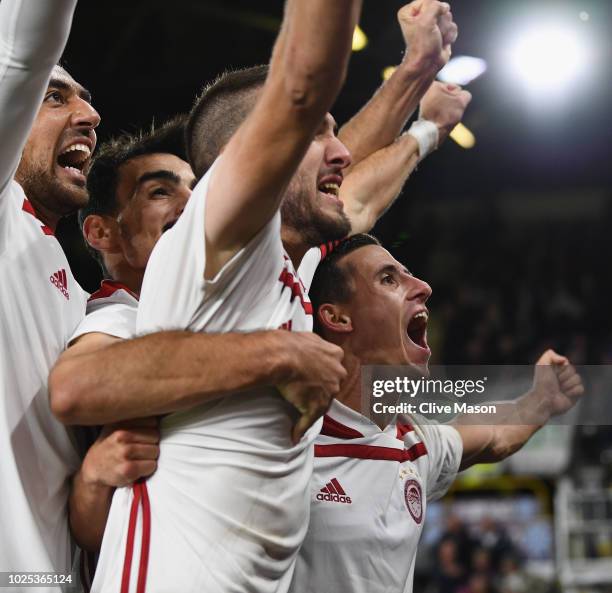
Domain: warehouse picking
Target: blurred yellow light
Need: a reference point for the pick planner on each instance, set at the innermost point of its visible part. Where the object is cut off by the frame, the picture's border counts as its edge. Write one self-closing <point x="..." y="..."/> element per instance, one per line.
<point x="463" y="137"/>
<point x="360" y="39"/>
<point x="388" y="72"/>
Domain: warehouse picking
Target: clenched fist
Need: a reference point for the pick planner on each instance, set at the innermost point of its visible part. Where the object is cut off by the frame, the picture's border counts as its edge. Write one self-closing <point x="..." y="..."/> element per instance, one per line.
<point x="429" y="32"/>
<point x="316" y="373"/>
<point x="556" y="387"/>
<point x="444" y="105"/>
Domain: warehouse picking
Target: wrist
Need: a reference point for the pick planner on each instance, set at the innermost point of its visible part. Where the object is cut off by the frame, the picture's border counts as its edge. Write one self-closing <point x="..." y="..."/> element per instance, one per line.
<point x="427" y="135"/>
<point x="532" y="409"/>
<point x="418" y="68"/>
<point x="282" y="357"/>
<point x="88" y="474"/>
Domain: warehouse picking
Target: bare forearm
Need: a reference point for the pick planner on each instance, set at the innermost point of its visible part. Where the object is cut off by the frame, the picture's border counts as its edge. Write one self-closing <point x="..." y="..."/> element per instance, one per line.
<point x="162" y="373"/>
<point x="317" y="47"/>
<point x="32" y="37"/>
<point x="490" y="438"/>
<point x="383" y="118"/>
<point x="372" y="186"/>
<point x="89" y="506"/>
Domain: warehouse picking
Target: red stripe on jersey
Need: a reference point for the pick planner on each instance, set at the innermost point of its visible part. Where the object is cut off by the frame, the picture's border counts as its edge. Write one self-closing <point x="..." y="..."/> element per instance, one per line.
<point x="325" y="489"/>
<point x="146" y="540"/>
<point x="327" y="248"/>
<point x="338" y="488"/>
<point x="129" y="548"/>
<point x="402" y="429"/>
<point x="27" y="207"/>
<point x="333" y="428"/>
<point x="371" y="452"/>
<point x="289" y="280"/>
<point x="332" y="488"/>
<point x="109" y="287"/>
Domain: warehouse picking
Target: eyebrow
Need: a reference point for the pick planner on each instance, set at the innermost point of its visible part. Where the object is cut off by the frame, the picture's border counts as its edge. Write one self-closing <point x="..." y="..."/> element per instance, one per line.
<point x="58" y="83"/>
<point x="161" y="174"/>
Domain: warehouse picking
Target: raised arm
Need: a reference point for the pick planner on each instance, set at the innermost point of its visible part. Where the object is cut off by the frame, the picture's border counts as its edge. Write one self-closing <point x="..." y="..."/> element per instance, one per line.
<point x="306" y="73"/>
<point x="556" y="388"/>
<point x="33" y="35"/>
<point x="429" y="31"/>
<point x="373" y="184"/>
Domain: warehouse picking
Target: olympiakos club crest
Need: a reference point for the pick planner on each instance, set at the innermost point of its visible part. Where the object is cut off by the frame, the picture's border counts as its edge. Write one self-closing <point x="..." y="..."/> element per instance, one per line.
<point x="414" y="500"/>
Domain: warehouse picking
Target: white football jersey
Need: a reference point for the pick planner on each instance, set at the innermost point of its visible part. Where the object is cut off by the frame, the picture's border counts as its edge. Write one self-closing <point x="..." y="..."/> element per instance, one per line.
<point x="228" y="506"/>
<point x="111" y="310"/>
<point x="368" y="495"/>
<point x="41" y="305"/>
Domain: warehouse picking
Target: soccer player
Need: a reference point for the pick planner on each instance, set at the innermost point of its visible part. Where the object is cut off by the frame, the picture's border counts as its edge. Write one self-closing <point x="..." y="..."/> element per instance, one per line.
<point x="371" y="482"/>
<point x="47" y="129"/>
<point x="226" y="508"/>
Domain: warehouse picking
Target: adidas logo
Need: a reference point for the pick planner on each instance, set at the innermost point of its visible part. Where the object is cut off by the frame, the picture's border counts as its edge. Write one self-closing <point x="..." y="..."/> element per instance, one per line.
<point x="61" y="282"/>
<point x="333" y="492"/>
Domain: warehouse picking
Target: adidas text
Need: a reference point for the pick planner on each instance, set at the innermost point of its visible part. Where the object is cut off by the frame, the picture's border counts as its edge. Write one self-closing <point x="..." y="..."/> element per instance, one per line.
<point x="334" y="498"/>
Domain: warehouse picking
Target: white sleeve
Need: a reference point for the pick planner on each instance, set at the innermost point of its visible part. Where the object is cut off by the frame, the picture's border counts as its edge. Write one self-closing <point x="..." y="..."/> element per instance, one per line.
<point x="33" y="34"/>
<point x="117" y="319"/>
<point x="444" y="451"/>
<point x="175" y="294"/>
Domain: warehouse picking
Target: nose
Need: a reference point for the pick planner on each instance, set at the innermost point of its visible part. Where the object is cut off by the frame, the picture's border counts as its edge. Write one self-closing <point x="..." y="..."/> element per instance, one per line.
<point x="337" y="154"/>
<point x="84" y="115"/>
<point x="418" y="289"/>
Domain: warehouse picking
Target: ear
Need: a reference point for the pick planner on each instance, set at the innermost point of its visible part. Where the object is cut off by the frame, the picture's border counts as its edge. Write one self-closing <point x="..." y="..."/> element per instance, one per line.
<point x="100" y="232"/>
<point x="334" y="319"/>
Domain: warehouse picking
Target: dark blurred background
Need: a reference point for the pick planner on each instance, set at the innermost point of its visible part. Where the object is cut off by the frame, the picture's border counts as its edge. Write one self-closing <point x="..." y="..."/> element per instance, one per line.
<point x="514" y="235"/>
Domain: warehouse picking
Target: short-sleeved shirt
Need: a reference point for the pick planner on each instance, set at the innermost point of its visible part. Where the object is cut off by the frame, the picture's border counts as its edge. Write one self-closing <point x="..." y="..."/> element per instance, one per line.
<point x="229" y="502"/>
<point x="111" y="310"/>
<point x="369" y="495"/>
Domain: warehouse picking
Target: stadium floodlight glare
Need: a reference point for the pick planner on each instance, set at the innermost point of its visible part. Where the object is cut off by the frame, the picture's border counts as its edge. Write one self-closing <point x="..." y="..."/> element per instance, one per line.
<point x="548" y="58"/>
<point x="360" y="39"/>
<point x="463" y="136"/>
<point x="387" y="73"/>
<point x="462" y="70"/>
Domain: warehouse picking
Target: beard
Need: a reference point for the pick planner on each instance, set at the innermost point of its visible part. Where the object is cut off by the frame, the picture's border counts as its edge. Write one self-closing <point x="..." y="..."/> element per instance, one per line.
<point x="301" y="212"/>
<point x="43" y="188"/>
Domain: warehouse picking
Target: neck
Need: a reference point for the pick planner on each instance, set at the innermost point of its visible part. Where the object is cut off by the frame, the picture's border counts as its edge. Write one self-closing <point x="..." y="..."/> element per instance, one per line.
<point x="46" y="216"/>
<point x="294" y="244"/>
<point x="350" y="391"/>
<point x="126" y="275"/>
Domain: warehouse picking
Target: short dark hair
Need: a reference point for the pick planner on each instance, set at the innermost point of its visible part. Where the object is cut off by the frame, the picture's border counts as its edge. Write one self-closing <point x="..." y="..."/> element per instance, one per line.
<point x="103" y="176"/>
<point x="332" y="281"/>
<point x="218" y="112"/>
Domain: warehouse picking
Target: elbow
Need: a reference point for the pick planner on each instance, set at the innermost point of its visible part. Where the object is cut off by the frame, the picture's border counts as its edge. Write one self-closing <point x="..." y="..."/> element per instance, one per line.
<point x="502" y="448"/>
<point x="64" y="393"/>
<point x="311" y="85"/>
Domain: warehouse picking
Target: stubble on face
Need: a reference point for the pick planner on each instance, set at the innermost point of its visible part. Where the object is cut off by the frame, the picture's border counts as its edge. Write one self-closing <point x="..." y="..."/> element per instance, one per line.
<point x="302" y="211"/>
<point x="42" y="187"/>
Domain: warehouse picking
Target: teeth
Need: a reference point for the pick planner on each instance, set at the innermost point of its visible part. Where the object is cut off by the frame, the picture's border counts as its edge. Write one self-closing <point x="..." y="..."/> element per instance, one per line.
<point x="331" y="188"/>
<point x="78" y="147"/>
<point x="73" y="169"/>
<point x="422" y="315"/>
